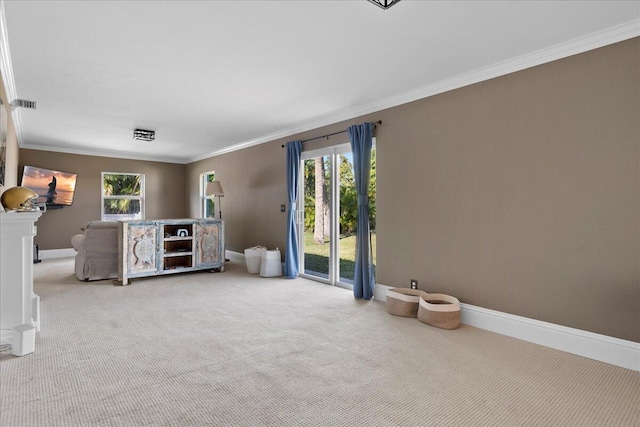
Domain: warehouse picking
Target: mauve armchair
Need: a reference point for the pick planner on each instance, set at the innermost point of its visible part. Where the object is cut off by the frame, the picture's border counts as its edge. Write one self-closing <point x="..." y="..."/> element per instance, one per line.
<point x="97" y="251"/>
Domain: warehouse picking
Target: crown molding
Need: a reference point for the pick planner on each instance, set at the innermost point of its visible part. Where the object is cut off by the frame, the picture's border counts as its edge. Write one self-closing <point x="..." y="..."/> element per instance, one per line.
<point x="592" y="41"/>
<point x="7" y="75"/>
<point x="5" y="58"/>
<point x="566" y="49"/>
<point x="103" y="153"/>
<point x="572" y="47"/>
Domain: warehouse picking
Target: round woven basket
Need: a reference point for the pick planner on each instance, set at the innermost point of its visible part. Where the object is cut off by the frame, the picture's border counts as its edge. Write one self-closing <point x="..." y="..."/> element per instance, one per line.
<point x="403" y="301"/>
<point x="439" y="310"/>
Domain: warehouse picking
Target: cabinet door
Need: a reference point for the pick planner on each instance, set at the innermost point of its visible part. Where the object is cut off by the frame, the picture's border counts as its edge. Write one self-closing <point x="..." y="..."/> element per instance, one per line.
<point x="209" y="240"/>
<point x="142" y="241"/>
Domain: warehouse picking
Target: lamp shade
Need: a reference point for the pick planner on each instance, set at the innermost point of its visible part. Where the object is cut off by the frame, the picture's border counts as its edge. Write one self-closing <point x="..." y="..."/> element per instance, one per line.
<point x="214" y="189"/>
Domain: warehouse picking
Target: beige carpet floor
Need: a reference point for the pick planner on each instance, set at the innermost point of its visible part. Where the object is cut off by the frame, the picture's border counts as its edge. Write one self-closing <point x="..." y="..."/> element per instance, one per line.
<point x="231" y="349"/>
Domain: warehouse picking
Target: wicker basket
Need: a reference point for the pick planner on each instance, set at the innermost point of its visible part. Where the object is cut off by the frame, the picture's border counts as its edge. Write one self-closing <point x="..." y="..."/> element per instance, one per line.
<point x="403" y="301"/>
<point x="439" y="310"/>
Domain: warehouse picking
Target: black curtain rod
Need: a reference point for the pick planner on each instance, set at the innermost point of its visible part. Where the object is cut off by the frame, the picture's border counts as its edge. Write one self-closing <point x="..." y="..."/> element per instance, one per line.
<point x="379" y="122"/>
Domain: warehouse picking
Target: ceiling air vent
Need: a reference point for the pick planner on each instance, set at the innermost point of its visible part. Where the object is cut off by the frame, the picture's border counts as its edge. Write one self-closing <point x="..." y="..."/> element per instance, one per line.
<point x="144" y="135"/>
<point x="24" y="103"/>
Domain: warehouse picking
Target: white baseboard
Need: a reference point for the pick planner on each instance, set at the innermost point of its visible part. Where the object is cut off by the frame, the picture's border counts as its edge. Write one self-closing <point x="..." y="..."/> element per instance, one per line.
<point x="603" y="348"/>
<point x="234" y="256"/>
<point x="56" y="253"/>
<point x="70" y="252"/>
<point x="380" y="292"/>
<point x="239" y="257"/>
<point x="63" y="253"/>
<point x="615" y="351"/>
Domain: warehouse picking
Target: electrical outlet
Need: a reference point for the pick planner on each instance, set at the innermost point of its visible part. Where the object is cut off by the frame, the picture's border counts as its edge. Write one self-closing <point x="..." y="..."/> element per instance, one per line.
<point x="414" y="284"/>
<point x="282" y="208"/>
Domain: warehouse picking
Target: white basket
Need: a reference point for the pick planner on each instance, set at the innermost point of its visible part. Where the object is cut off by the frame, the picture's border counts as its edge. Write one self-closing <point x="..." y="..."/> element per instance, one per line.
<point x="403" y="301"/>
<point x="253" y="257"/>
<point x="270" y="265"/>
<point x="439" y="310"/>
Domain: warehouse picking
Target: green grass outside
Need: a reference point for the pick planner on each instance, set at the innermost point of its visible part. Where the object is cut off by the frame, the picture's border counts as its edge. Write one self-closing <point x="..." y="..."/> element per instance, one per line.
<point x="316" y="257"/>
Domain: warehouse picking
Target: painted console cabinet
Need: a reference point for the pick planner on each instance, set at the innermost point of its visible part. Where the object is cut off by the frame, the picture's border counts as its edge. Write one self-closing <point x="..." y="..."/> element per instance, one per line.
<point x="153" y="248"/>
<point x="19" y="305"/>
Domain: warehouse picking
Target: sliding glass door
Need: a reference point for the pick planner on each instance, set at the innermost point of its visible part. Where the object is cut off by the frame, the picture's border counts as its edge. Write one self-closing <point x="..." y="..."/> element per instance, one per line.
<point x="316" y="234"/>
<point x="329" y="205"/>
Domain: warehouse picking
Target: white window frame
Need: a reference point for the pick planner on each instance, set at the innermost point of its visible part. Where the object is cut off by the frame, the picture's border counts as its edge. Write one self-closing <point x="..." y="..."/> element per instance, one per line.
<point x="140" y="198"/>
<point x="333" y="152"/>
<point x="204" y="178"/>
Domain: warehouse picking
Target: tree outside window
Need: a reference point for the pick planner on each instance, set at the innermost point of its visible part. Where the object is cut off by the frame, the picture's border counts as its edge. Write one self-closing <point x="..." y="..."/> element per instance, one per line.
<point x="208" y="202"/>
<point x="122" y="196"/>
<point x="316" y="181"/>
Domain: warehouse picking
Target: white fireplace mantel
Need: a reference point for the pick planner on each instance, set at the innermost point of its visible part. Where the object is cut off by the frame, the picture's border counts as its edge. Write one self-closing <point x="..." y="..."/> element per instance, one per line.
<point x="18" y="303"/>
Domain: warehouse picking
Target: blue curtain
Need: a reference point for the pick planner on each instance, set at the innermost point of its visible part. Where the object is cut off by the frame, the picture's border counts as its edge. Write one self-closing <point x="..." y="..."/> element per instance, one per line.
<point x="293" y="166"/>
<point x="361" y="138"/>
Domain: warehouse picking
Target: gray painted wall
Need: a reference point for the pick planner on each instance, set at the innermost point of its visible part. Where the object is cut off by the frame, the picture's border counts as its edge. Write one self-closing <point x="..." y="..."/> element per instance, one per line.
<point x="164" y="192"/>
<point x="519" y="194"/>
<point x="11" y="145"/>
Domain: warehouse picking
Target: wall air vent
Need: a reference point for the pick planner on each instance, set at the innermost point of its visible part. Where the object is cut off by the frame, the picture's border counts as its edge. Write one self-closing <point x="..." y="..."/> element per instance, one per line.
<point x="144" y="135"/>
<point x="24" y="103"/>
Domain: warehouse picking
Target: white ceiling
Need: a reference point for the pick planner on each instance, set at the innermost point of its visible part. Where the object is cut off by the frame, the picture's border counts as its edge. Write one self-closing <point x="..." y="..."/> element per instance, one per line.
<point x="212" y="76"/>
